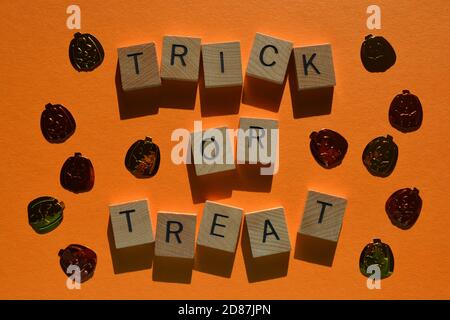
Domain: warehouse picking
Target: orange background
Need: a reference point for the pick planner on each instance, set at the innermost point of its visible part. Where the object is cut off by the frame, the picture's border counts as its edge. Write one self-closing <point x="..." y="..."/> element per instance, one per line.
<point x="35" y="70"/>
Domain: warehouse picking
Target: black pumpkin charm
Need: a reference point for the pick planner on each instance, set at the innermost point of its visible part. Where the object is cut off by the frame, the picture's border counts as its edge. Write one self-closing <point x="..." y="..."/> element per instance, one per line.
<point x="380" y="156"/>
<point x="85" y="52"/>
<point x="403" y="207"/>
<point x="57" y="123"/>
<point x="328" y="148"/>
<point x="77" y="174"/>
<point x="377" y="54"/>
<point x="143" y="158"/>
<point x="377" y="253"/>
<point x="45" y="214"/>
<point x="405" y="112"/>
<point x="76" y="255"/>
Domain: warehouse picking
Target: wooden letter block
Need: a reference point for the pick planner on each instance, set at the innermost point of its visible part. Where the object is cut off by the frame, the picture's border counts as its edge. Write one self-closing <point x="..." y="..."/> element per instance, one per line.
<point x="269" y="58"/>
<point x="131" y="224"/>
<point x="267" y="231"/>
<point x="257" y="143"/>
<point x="220" y="227"/>
<point x="314" y="67"/>
<point x="222" y="64"/>
<point x="138" y="67"/>
<point x="212" y="151"/>
<point x="175" y="235"/>
<point x="180" y="58"/>
<point x="323" y="216"/>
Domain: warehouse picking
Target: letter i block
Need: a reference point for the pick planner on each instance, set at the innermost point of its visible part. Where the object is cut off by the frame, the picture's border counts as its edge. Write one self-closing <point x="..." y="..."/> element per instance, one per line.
<point x="212" y="151"/>
<point x="314" y="67"/>
<point x="222" y="64"/>
<point x="269" y="58"/>
<point x="175" y="235"/>
<point x="323" y="216"/>
<point x="267" y="231"/>
<point x="131" y="224"/>
<point x="257" y="140"/>
<point x="180" y="58"/>
<point x="220" y="227"/>
<point x="138" y="67"/>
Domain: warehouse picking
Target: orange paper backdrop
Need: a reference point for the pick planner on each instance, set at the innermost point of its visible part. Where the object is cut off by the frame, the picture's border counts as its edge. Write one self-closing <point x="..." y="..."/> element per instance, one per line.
<point x="35" y="70"/>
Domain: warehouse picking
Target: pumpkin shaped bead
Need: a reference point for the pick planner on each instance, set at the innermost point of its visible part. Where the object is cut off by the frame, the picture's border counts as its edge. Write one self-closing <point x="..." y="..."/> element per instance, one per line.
<point x="328" y="148"/>
<point x="380" y="156"/>
<point x="377" y="253"/>
<point x="403" y="207"/>
<point x="377" y="54"/>
<point x="57" y="123"/>
<point x="143" y="158"/>
<point x="405" y="112"/>
<point x="77" y="174"/>
<point x="85" y="52"/>
<point x="45" y="214"/>
<point x="79" y="256"/>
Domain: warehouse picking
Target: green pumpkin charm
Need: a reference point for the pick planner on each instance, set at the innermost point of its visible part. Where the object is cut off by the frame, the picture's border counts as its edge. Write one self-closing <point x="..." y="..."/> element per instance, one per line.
<point x="45" y="214"/>
<point x="380" y="156"/>
<point x="377" y="253"/>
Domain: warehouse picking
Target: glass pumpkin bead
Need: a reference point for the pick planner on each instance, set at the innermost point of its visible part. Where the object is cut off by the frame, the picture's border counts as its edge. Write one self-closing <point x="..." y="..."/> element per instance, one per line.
<point x="328" y="148"/>
<point x="45" y="214"/>
<point x="403" y="207"/>
<point x="82" y="257"/>
<point x="405" y="112"/>
<point x="57" y="123"/>
<point x="380" y="156"/>
<point x="377" y="54"/>
<point x="143" y="158"/>
<point x="85" y="52"/>
<point x="77" y="174"/>
<point x="377" y="253"/>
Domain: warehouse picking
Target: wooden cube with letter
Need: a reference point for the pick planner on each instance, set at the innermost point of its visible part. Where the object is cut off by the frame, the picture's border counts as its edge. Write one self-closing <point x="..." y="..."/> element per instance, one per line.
<point x="180" y="58"/>
<point x="131" y="224"/>
<point x="220" y="227"/>
<point x="138" y="67"/>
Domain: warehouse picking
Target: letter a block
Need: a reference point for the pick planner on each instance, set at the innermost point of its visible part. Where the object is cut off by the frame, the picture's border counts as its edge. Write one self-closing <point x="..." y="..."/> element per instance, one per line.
<point x="314" y="67"/>
<point x="180" y="58"/>
<point x="269" y="58"/>
<point x="175" y="235"/>
<point x="220" y="227"/>
<point x="131" y="224"/>
<point x="323" y="216"/>
<point x="255" y="144"/>
<point x="138" y="67"/>
<point x="212" y="151"/>
<point x="267" y="231"/>
<point x="222" y="64"/>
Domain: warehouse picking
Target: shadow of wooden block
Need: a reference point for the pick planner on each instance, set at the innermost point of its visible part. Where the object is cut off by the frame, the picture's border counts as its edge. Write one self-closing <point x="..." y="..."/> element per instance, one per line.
<point x="168" y="269"/>
<point x="213" y="261"/>
<point x="263" y="94"/>
<point x="315" y="250"/>
<point x="178" y="94"/>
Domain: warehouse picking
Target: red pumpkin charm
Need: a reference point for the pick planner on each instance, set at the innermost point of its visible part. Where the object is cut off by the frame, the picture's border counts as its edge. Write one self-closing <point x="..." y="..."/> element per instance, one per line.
<point x="76" y="256"/>
<point x="403" y="207"/>
<point x="405" y="112"/>
<point x="328" y="148"/>
<point x="57" y="123"/>
<point x="377" y="54"/>
<point x="77" y="174"/>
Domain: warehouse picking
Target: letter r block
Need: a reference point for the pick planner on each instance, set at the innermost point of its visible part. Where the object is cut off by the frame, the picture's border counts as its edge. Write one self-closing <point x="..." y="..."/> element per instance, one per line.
<point x="175" y="235"/>
<point x="267" y="231"/>
<point x="220" y="227"/>
<point x="180" y="58"/>
<point x="314" y="67"/>
<point x="269" y="58"/>
<point x="131" y="224"/>
<point x="138" y="67"/>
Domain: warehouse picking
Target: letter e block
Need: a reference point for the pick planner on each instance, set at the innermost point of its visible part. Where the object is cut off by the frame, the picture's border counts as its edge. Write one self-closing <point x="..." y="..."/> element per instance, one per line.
<point x="175" y="235"/>
<point x="131" y="224"/>
<point x="269" y="58"/>
<point x="314" y="67"/>
<point x="267" y="231"/>
<point x="180" y="58"/>
<point x="220" y="227"/>
<point x="138" y="67"/>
